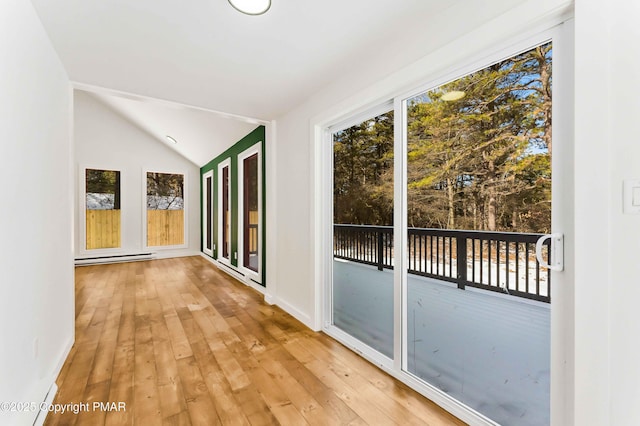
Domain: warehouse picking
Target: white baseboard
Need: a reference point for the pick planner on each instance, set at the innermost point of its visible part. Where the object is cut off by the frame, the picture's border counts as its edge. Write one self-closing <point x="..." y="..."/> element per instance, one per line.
<point x="257" y="287"/>
<point x="270" y="299"/>
<point x="48" y="400"/>
<point x="294" y="312"/>
<point x="43" y="392"/>
<point x="229" y="270"/>
<point x="168" y="254"/>
<point x="233" y="272"/>
<point x="53" y="389"/>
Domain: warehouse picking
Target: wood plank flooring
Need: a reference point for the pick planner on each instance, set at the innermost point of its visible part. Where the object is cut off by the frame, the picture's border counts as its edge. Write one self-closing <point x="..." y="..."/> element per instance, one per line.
<point x="181" y="343"/>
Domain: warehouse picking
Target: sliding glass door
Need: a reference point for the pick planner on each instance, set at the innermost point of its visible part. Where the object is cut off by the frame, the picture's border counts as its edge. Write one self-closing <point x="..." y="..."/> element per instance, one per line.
<point x="453" y="292"/>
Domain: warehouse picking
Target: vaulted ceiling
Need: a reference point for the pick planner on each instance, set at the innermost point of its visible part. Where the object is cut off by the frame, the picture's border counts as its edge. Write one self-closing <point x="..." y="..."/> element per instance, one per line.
<point x="200" y="135"/>
<point x="204" y="53"/>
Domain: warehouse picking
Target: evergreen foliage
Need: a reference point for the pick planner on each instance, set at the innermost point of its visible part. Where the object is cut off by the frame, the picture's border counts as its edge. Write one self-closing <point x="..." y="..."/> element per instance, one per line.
<point x="481" y="162"/>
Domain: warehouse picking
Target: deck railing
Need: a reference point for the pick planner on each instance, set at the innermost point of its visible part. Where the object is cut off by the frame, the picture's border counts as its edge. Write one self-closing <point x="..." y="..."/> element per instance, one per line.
<point x="497" y="261"/>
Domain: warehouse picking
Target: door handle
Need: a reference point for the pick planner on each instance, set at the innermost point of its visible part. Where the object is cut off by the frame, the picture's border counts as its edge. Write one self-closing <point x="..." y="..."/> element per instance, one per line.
<point x="556" y="262"/>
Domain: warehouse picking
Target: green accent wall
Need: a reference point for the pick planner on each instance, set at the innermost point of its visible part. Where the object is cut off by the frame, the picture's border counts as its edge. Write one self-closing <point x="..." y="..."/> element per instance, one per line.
<point x="256" y="136"/>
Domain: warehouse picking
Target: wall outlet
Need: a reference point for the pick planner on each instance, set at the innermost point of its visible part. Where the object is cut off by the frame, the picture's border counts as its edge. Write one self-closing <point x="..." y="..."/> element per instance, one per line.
<point x="235" y="255"/>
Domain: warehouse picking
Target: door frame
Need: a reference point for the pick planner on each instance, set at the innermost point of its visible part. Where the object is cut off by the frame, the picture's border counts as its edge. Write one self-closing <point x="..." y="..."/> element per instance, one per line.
<point x="249" y="273"/>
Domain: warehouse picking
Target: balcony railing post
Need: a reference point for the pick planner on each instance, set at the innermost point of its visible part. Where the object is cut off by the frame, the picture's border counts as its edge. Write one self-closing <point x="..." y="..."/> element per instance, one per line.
<point x="461" y="260"/>
<point x="380" y="250"/>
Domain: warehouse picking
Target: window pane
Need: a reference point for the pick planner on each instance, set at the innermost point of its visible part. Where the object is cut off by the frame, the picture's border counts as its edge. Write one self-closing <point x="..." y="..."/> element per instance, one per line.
<point x="250" y="202"/>
<point x="102" y="209"/>
<point x="208" y="219"/>
<point x="165" y="209"/>
<point x="479" y="159"/>
<point x="363" y="232"/>
<point x="226" y="223"/>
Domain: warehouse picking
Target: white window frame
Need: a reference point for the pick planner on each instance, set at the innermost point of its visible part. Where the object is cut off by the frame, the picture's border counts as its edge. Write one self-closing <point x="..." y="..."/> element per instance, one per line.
<point x="185" y="204"/>
<point x="249" y="273"/>
<point x="559" y="31"/>
<point x="329" y="327"/>
<point x="206" y="222"/>
<point x="82" y="214"/>
<point x="219" y="251"/>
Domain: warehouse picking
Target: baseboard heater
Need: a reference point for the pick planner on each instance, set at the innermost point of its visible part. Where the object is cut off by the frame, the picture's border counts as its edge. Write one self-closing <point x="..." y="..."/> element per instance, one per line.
<point x="114" y="259"/>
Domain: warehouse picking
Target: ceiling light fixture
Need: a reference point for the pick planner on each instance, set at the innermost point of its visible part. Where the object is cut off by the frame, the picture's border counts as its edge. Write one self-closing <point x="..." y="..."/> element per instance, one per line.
<point x="251" y="7"/>
<point x="454" y="95"/>
<point x="172" y="140"/>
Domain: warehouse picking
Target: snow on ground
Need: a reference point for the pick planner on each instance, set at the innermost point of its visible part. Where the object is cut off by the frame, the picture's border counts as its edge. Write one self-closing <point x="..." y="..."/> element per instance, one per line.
<point x="157" y="202"/>
<point x="519" y="276"/>
<point x="97" y="201"/>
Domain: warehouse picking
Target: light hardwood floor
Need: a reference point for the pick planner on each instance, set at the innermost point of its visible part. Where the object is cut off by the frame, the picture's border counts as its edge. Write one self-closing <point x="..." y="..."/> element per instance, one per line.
<point x="182" y="343"/>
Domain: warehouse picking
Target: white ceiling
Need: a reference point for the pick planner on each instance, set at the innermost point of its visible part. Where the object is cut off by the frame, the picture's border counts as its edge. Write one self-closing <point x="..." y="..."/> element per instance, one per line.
<point x="205" y="53"/>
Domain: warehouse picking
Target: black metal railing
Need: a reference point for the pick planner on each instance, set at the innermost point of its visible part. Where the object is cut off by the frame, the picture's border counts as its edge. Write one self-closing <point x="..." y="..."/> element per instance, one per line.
<point x="497" y="261"/>
<point x="371" y="245"/>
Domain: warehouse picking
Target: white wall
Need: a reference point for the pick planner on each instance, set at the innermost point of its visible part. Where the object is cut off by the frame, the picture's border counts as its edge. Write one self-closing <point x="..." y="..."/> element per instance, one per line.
<point x="624" y="240"/>
<point x="104" y="139"/>
<point x="36" y="248"/>
<point x="607" y="287"/>
<point x="593" y="251"/>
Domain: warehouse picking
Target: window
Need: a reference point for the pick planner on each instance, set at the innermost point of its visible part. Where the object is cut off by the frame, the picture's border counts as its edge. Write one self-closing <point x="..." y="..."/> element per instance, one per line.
<point x="165" y="209"/>
<point x="250" y="211"/>
<point x="102" y="209"/>
<point x="224" y="204"/>
<point x="250" y="225"/>
<point x="207" y="213"/>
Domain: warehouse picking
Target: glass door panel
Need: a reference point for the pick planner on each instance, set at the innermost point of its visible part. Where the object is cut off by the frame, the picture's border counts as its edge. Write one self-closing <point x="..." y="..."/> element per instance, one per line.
<point x="362" y="304"/>
<point x="250" y="213"/>
<point x="226" y="214"/>
<point x="477" y="320"/>
<point x="207" y="220"/>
